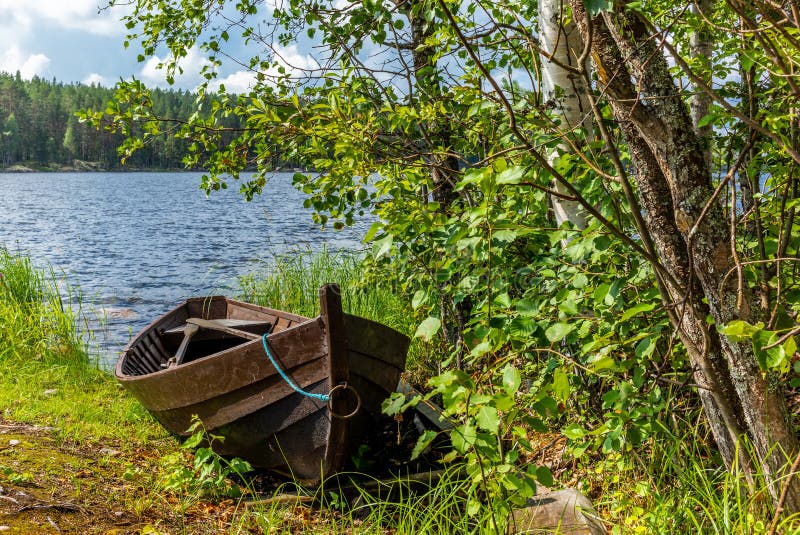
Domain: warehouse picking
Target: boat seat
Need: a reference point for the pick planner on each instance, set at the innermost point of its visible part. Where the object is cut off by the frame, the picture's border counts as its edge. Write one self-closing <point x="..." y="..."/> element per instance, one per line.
<point x="172" y="338"/>
<point x="244" y="325"/>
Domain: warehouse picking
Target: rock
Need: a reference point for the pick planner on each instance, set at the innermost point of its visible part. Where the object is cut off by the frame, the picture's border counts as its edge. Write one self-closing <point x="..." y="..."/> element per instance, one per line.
<point x="565" y="511"/>
<point x="13" y="442"/>
<point x="5" y="528"/>
<point x="50" y="391"/>
<point x="119" y="312"/>
<point x="109" y="452"/>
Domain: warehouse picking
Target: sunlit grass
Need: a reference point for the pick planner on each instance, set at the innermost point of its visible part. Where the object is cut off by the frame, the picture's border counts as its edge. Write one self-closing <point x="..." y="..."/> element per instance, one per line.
<point x="47" y="376"/>
<point x="674" y="484"/>
<point x="291" y="283"/>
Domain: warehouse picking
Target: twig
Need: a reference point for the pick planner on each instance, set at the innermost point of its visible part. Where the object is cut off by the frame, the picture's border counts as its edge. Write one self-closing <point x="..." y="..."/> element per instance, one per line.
<point x="52" y="523"/>
<point x="280" y="498"/>
<point x="784" y="492"/>
<point x="65" y="507"/>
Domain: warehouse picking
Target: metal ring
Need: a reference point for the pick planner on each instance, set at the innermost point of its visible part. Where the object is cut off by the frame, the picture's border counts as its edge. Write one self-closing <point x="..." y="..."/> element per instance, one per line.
<point x="343" y="386"/>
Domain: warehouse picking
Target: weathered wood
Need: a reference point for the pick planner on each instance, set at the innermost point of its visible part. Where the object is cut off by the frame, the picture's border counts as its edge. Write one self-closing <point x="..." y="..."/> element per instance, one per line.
<point x="377" y="340"/>
<point x="330" y="302"/>
<point x="227" y="380"/>
<point x="235" y="368"/>
<point x="216" y="325"/>
<point x="190" y="330"/>
<point x="242" y="324"/>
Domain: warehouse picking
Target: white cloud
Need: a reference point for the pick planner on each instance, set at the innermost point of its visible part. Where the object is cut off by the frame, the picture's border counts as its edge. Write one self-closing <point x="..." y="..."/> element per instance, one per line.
<point x="294" y="61"/>
<point x="97" y="79"/>
<point x="70" y="14"/>
<point x="28" y="65"/>
<point x="238" y="82"/>
<point x="194" y="61"/>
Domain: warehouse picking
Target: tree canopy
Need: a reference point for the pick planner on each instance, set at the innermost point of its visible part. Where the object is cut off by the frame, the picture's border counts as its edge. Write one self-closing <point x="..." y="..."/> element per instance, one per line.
<point x="436" y="116"/>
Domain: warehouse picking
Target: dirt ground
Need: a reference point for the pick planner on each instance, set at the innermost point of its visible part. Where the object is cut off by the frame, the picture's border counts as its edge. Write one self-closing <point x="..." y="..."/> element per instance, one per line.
<point x="47" y="487"/>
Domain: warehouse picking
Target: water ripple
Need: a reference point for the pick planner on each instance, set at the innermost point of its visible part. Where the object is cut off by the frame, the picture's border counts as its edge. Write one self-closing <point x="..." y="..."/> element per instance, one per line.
<point x="137" y="243"/>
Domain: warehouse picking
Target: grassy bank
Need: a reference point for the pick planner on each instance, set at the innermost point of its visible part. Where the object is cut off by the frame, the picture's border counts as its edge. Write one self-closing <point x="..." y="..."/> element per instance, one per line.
<point x="47" y="375"/>
<point x="79" y="455"/>
<point x="88" y="459"/>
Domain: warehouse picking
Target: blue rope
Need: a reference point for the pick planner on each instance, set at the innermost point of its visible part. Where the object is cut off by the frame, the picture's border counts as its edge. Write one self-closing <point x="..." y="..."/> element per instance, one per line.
<point x="321" y="397"/>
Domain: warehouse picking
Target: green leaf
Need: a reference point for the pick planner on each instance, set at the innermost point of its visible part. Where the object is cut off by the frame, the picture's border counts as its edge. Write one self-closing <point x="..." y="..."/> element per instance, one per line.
<point x="522" y="327"/>
<point x="544" y="476"/>
<point x="747" y="60"/>
<point x="511" y="379"/>
<point x="481" y="349"/>
<point x="561" y="388"/>
<point x="641" y="307"/>
<point x="512" y="175"/>
<point x="423" y="442"/>
<point x="573" y="431"/>
<point x="420" y="296"/>
<point x="463" y="437"/>
<point x="706" y="120"/>
<point x="527" y="307"/>
<point x="558" y="331"/>
<point x="383" y="246"/>
<point x="739" y="331"/>
<point x="594" y="7"/>
<point x="645" y="347"/>
<point x="393" y="404"/>
<point x="488" y="419"/>
<point x="376" y="226"/>
<point x="428" y="328"/>
<point x="569" y="306"/>
<point x="505" y="236"/>
<point x="193" y="441"/>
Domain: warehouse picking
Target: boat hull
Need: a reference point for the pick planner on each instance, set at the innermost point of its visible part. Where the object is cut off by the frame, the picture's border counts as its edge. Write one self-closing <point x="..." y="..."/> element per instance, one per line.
<point x="229" y="383"/>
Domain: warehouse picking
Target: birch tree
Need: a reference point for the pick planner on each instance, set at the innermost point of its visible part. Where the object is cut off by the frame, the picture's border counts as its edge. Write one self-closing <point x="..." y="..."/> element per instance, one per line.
<point x="564" y="88"/>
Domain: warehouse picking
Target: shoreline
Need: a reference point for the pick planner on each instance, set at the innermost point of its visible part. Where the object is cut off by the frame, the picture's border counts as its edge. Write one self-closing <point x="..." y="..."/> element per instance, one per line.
<point x="80" y="166"/>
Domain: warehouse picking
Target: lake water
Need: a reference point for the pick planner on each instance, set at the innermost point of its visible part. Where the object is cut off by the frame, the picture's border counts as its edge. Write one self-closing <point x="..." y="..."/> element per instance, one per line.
<point x="138" y="243"/>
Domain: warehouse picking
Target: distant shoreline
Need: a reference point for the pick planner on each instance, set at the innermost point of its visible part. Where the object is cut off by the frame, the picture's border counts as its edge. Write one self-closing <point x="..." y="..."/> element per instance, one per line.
<point x="80" y="166"/>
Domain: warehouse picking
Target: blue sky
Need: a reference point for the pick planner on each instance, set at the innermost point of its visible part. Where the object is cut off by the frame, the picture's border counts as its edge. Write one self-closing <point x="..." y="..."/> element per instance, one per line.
<point x="71" y="41"/>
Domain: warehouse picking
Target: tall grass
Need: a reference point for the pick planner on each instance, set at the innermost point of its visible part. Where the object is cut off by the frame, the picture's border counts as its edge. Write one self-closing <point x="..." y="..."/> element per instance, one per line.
<point x="36" y="322"/>
<point x="47" y="376"/>
<point x="291" y="282"/>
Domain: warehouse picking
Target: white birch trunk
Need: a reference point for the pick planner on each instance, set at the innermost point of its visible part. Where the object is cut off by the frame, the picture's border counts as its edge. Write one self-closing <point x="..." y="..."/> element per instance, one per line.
<point x="565" y="90"/>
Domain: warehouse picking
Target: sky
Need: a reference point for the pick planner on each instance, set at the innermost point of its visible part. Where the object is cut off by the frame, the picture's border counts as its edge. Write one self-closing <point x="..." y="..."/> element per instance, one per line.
<point x="74" y="41"/>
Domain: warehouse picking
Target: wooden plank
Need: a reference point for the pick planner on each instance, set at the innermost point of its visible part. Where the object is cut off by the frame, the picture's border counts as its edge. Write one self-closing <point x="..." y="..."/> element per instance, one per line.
<point x="267" y="394"/>
<point x="384" y="375"/>
<point x="227" y="322"/>
<point x="188" y="332"/>
<point x="242" y="310"/>
<point x="207" y="307"/>
<point x="156" y="339"/>
<point x="330" y="302"/>
<point x="228" y="370"/>
<point x="372" y="338"/>
<point x="216" y="325"/>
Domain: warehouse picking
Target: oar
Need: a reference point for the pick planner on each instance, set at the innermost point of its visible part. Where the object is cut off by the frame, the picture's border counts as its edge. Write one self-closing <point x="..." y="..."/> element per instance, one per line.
<point x="188" y="332"/>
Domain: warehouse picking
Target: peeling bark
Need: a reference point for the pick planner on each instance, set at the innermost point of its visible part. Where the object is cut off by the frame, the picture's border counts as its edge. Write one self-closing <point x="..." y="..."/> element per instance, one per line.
<point x="672" y="176"/>
<point x="687" y="313"/>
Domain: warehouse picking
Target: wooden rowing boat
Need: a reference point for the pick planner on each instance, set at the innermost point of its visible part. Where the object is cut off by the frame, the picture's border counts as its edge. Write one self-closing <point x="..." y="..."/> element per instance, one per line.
<point x="207" y="357"/>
